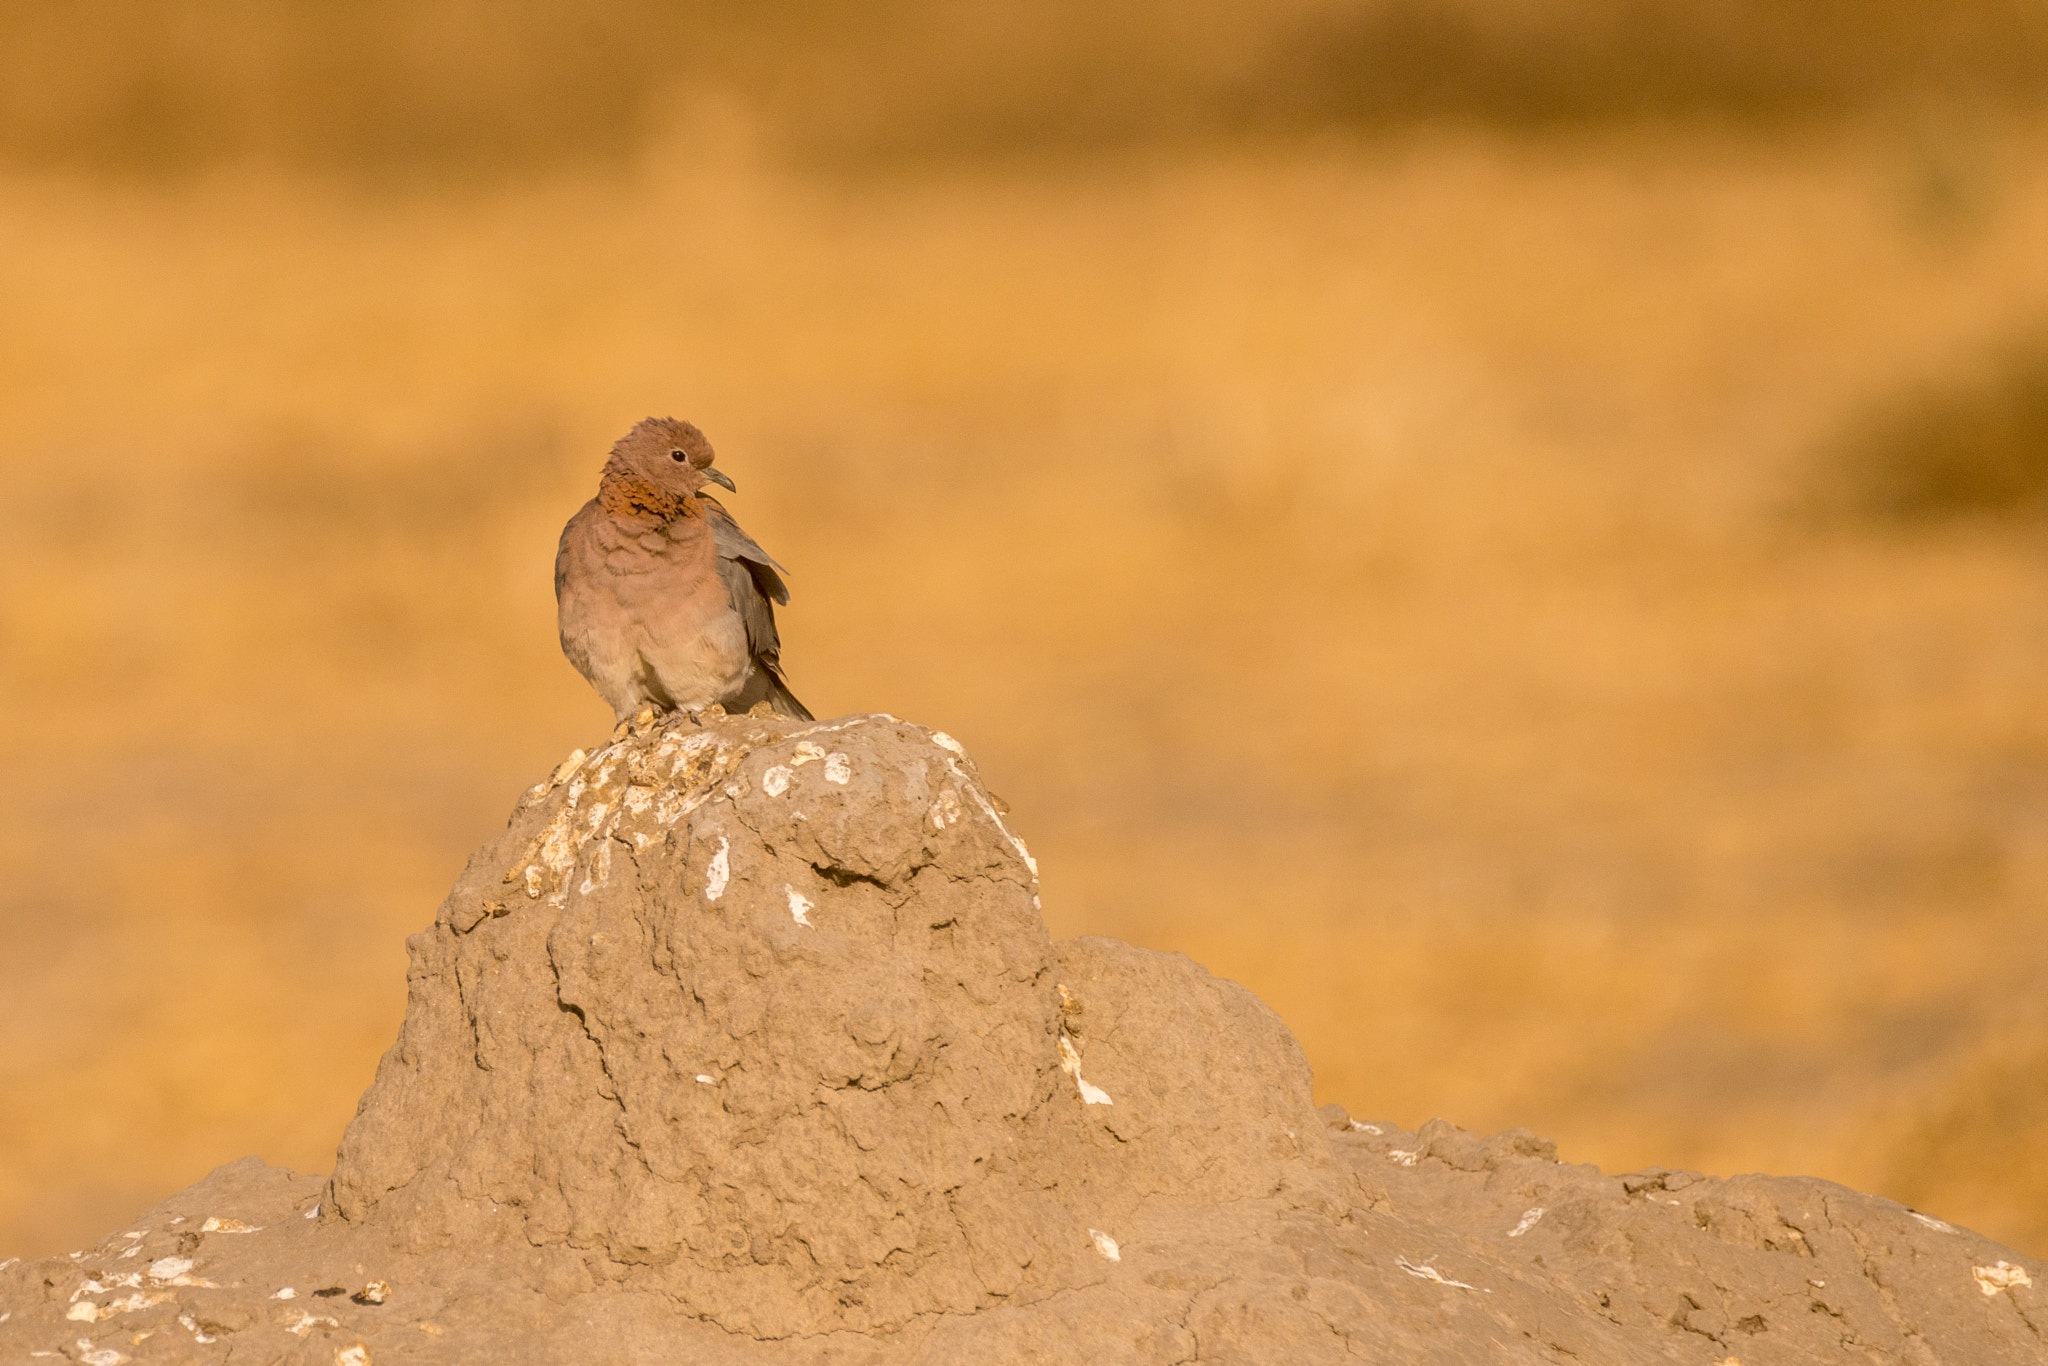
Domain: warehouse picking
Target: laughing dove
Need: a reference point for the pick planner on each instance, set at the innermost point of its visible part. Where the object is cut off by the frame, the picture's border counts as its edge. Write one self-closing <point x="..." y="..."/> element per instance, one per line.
<point x="663" y="602"/>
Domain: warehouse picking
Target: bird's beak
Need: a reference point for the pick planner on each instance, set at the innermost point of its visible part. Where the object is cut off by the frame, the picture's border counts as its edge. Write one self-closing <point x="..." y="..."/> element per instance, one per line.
<point x="718" y="477"/>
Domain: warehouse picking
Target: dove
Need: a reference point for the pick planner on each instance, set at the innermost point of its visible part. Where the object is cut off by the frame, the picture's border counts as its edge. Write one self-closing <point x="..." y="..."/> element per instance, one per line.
<point x="662" y="601"/>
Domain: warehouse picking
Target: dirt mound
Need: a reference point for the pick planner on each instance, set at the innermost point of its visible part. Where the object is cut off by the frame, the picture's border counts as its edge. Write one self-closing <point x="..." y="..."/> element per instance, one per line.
<point x="746" y="1043"/>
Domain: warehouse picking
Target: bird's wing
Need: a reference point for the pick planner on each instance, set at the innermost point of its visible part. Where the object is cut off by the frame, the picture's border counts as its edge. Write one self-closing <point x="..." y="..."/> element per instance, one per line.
<point x="565" y="549"/>
<point x="751" y="581"/>
<point x="572" y="607"/>
<point x="734" y="544"/>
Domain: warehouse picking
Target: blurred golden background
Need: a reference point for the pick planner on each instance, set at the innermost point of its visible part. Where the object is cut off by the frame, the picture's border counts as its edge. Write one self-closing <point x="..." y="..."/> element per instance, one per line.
<point x="1517" y="529"/>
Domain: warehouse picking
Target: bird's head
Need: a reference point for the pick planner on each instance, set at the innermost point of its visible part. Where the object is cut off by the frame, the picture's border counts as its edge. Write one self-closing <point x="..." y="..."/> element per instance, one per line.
<point x="674" y="457"/>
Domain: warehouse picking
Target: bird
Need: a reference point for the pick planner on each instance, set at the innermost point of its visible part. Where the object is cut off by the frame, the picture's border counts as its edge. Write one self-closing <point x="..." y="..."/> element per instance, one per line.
<point x="663" y="603"/>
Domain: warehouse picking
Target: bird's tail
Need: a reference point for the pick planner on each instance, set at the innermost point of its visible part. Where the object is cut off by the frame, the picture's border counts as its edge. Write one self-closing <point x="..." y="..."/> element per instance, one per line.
<point x="765" y="684"/>
<point x="782" y="701"/>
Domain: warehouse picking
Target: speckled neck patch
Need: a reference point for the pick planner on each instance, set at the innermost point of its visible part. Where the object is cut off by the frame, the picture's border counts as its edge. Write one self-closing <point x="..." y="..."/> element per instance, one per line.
<point x="624" y="494"/>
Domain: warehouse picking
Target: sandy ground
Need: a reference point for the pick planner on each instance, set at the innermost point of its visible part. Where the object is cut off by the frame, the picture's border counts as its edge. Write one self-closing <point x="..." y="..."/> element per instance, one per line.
<point x="1579" y="780"/>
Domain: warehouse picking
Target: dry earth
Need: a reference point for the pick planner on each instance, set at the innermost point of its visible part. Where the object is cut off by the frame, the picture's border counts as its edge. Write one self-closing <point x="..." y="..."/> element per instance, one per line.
<point x="746" y="1043"/>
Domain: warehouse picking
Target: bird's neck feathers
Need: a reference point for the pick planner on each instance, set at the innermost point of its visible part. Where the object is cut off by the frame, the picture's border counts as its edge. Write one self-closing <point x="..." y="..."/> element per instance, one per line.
<point x="629" y="497"/>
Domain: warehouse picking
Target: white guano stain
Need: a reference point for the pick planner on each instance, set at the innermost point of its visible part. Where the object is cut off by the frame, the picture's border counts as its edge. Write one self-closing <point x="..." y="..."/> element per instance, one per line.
<point x="600" y="868"/>
<point x="632" y="788"/>
<point x="946" y="809"/>
<point x="163" y="1268"/>
<point x="838" y="765"/>
<point x="85" y="1311"/>
<point x="1365" y="1128"/>
<point x="685" y="751"/>
<point x="610" y="797"/>
<point x="719" y="872"/>
<point x="705" y="1078"/>
<point x="101" y="1287"/>
<point x="2000" y="1276"/>
<point x="355" y="1354"/>
<point x="1105" y="1244"/>
<point x="1401" y="1157"/>
<point x="1070" y="1063"/>
<point x="555" y="851"/>
<point x="1931" y="1221"/>
<point x="800" y="907"/>
<point x="1430" y="1273"/>
<point x="1528" y="1222"/>
<point x="306" y="1323"/>
<point x="286" y="1293"/>
<point x="988" y="809"/>
<point x="848" y="724"/>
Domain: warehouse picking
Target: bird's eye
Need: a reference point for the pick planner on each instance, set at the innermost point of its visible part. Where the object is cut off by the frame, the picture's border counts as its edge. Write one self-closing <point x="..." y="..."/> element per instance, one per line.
<point x="677" y="456"/>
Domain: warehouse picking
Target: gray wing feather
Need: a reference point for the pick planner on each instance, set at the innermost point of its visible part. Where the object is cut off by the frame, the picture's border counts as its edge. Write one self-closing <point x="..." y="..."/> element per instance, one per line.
<point x="734" y="544"/>
<point x="751" y="582"/>
<point x="752" y="605"/>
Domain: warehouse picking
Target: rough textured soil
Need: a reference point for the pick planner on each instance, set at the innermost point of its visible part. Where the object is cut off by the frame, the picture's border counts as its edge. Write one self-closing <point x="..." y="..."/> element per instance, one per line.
<point x="745" y="1043"/>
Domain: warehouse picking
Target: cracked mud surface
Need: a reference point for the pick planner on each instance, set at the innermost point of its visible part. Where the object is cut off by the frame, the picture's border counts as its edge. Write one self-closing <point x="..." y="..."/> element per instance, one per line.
<point x="745" y="1043"/>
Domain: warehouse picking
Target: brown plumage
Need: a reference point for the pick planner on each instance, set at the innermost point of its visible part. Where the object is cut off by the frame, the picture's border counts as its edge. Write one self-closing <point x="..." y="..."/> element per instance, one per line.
<point x="662" y="600"/>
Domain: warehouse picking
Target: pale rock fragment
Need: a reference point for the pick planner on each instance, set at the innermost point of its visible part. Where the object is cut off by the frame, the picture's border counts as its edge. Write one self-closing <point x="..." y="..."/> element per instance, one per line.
<point x="2000" y="1276"/>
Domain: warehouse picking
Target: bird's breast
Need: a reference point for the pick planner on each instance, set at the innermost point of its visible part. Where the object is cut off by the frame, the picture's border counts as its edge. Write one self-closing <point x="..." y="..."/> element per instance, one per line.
<point x="678" y="548"/>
